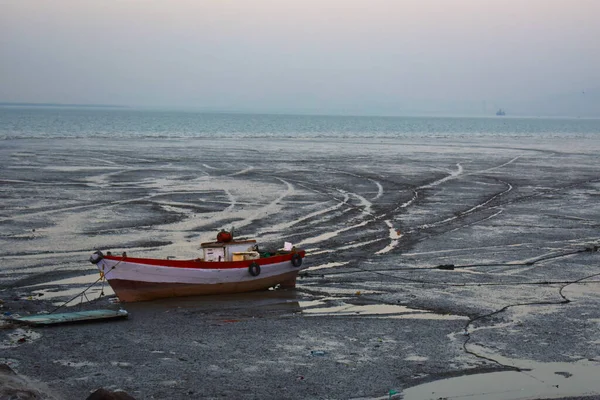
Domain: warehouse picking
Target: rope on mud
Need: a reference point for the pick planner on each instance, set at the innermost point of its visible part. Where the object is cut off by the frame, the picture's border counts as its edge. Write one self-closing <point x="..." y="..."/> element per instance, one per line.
<point x="423" y="282"/>
<point x="76" y="296"/>
<point x="453" y="267"/>
<point x="564" y="300"/>
<point x="432" y="283"/>
<point x="528" y="263"/>
<point x="101" y="278"/>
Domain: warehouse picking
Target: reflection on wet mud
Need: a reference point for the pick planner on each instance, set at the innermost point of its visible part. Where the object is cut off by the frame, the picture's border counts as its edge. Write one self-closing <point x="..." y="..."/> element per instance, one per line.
<point x="277" y="302"/>
<point x="537" y="380"/>
<point x="68" y="289"/>
<point x="340" y="308"/>
<point x="19" y="336"/>
<point x="327" y="265"/>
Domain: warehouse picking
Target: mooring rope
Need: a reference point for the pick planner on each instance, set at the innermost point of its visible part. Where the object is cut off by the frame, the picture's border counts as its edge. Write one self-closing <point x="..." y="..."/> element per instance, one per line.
<point x="101" y="278"/>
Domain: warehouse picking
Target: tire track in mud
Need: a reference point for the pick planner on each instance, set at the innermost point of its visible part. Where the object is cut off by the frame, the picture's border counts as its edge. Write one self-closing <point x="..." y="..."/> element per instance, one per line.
<point x="232" y="200"/>
<point x="257" y="214"/>
<point x="79" y="212"/>
<point x="458" y="175"/>
<point x="478" y="222"/>
<point x="99" y="181"/>
<point x="96" y="205"/>
<point x="496" y="196"/>
<point x="365" y="210"/>
<point x="330" y="213"/>
<point x="285" y="225"/>
<point x="379" y="189"/>
<point x="496" y="167"/>
<point x="384" y="215"/>
<point x="473" y="209"/>
<point x="365" y="207"/>
<point x="490" y="202"/>
<point x="498" y="204"/>
<point x="548" y="191"/>
<point x="242" y="172"/>
<point x="453" y="175"/>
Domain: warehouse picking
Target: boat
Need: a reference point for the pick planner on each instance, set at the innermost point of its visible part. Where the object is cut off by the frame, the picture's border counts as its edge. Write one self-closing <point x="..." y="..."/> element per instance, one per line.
<point x="227" y="266"/>
<point x="70" y="317"/>
<point x="500" y="112"/>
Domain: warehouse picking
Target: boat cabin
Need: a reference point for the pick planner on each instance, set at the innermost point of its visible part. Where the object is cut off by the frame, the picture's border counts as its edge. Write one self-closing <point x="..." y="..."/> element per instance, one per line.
<point x="238" y="250"/>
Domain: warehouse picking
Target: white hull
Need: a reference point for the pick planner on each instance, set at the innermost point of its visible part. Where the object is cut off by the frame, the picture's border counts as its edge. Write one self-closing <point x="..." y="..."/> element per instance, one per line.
<point x="135" y="281"/>
<point x="124" y="270"/>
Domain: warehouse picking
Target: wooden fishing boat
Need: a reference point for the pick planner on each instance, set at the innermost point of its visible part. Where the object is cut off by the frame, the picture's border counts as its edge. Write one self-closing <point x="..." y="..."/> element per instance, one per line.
<point x="227" y="266"/>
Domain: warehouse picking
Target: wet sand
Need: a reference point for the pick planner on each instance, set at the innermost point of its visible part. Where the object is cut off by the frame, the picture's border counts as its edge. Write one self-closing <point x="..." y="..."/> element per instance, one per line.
<point x="372" y="316"/>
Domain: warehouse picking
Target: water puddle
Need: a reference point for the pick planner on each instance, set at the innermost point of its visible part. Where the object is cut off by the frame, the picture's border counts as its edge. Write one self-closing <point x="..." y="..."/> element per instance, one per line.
<point x="348" y="291"/>
<point x="339" y="308"/>
<point x="235" y="305"/>
<point x="18" y="337"/>
<point x="394" y="236"/>
<point x="70" y="287"/>
<point x="91" y="294"/>
<point x="330" y="235"/>
<point x="544" y="380"/>
<point x="75" y="364"/>
<point x="317" y="250"/>
<point x="76" y="280"/>
<point x="328" y="265"/>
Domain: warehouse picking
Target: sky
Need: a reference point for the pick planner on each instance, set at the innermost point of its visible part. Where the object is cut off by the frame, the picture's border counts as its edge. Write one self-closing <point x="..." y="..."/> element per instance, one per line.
<point x="365" y="57"/>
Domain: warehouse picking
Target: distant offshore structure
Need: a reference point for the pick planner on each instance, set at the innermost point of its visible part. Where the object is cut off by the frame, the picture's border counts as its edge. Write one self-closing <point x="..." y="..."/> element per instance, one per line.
<point x="500" y="112"/>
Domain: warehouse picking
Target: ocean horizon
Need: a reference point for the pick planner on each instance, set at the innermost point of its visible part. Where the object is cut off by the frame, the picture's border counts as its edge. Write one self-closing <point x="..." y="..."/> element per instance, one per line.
<point x="75" y="122"/>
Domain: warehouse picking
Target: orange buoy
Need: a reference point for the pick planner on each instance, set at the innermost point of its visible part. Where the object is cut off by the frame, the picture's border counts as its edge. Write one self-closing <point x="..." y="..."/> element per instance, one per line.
<point x="224" y="236"/>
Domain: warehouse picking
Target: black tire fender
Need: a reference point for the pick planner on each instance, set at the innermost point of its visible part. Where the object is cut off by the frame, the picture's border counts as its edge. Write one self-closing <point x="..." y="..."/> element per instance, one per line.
<point x="296" y="260"/>
<point x="96" y="257"/>
<point x="254" y="269"/>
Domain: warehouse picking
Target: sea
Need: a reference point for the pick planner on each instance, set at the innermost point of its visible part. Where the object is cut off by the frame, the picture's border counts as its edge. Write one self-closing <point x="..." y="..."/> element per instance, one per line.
<point x="51" y="123"/>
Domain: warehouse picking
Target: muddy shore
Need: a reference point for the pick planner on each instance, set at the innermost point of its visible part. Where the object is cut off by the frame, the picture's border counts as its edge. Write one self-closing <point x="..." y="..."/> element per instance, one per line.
<point x="372" y="317"/>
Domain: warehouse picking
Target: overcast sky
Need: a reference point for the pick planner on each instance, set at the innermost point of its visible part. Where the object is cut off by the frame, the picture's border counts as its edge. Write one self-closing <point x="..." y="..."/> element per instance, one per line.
<point x="351" y="56"/>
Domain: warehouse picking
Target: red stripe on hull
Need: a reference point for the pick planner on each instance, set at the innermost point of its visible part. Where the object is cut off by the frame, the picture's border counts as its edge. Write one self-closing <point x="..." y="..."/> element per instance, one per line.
<point x="198" y="264"/>
<point x="130" y="291"/>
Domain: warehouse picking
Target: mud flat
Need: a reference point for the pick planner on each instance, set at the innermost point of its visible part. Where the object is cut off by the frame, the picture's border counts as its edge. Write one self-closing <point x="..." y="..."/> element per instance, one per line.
<point x="436" y="268"/>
